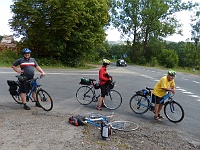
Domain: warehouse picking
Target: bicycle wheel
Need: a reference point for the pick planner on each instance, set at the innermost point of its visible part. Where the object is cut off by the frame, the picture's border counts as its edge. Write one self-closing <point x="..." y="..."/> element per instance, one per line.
<point x="124" y="125"/>
<point x="85" y="95"/>
<point x="173" y="111"/>
<point x="139" y="104"/>
<point x="17" y="97"/>
<point x="44" y="99"/>
<point x="113" y="100"/>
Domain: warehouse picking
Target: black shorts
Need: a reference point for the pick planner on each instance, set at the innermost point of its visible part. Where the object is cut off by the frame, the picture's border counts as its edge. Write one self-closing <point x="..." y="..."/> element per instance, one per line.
<point x="103" y="90"/>
<point x="156" y="99"/>
<point x="25" y="86"/>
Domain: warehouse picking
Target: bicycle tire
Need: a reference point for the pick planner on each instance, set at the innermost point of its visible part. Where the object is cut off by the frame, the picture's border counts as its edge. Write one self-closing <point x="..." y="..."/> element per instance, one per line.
<point x="126" y="126"/>
<point x="173" y="111"/>
<point x="113" y="100"/>
<point x="139" y="104"/>
<point x="44" y="99"/>
<point x="84" y="95"/>
<point x="17" y="98"/>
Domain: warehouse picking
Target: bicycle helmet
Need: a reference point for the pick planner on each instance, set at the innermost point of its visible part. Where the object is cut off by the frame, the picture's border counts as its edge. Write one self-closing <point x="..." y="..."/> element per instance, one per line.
<point x="171" y="73"/>
<point x="106" y="62"/>
<point x="26" y="50"/>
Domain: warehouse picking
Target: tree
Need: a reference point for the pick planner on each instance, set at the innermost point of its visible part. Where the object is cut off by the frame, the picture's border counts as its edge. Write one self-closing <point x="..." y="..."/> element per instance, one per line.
<point x="142" y="21"/>
<point x="168" y="58"/>
<point x="68" y="30"/>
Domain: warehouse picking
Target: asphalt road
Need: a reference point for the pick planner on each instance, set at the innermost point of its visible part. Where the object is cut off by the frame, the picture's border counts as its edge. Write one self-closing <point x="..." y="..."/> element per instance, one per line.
<point x="62" y="86"/>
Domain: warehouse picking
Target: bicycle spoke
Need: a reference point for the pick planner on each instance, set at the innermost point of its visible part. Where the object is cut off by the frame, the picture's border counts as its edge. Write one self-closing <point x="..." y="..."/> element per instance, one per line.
<point x="84" y="95"/>
<point x="113" y="100"/>
<point x="124" y="125"/>
<point x="139" y="104"/>
<point x="17" y="98"/>
<point x="44" y="99"/>
<point x="174" y="111"/>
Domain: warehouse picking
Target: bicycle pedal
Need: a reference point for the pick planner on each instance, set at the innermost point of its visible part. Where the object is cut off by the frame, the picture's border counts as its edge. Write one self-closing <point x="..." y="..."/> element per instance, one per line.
<point x="95" y="100"/>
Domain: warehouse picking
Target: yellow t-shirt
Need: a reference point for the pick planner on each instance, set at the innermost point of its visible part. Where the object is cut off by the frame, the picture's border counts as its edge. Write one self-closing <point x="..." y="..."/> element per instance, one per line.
<point x="163" y="83"/>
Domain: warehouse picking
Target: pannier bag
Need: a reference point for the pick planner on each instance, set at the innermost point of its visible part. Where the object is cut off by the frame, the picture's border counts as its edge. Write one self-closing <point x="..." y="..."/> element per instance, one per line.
<point x="12" y="87"/>
<point x="142" y="92"/>
<point x="96" y="86"/>
<point x="77" y="120"/>
<point x="85" y="81"/>
<point x="111" y="85"/>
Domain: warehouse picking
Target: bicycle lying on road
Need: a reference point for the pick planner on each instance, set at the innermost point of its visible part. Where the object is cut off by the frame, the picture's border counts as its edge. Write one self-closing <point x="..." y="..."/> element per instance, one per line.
<point x="86" y="94"/>
<point x="141" y="102"/>
<point x="42" y="96"/>
<point x="96" y="120"/>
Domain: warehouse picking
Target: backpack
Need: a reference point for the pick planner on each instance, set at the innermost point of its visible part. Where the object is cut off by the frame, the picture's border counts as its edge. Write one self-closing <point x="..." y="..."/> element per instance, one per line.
<point x="77" y="120"/>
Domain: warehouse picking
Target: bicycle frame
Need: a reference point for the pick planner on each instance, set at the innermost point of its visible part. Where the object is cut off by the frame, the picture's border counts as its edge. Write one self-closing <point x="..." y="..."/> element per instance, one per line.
<point x="34" y="84"/>
<point x="92" y="121"/>
<point x="165" y="97"/>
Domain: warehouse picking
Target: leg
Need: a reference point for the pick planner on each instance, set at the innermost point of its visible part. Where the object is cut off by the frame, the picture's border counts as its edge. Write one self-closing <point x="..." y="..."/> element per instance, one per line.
<point x="25" y="89"/>
<point x="23" y="96"/>
<point x="102" y="98"/>
<point x="34" y="96"/>
<point x="157" y="108"/>
<point x="37" y="104"/>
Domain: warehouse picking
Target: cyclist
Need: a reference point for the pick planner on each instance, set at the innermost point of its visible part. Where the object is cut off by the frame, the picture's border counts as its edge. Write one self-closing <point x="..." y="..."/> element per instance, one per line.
<point x="27" y="65"/>
<point x="164" y="85"/>
<point x="104" y="78"/>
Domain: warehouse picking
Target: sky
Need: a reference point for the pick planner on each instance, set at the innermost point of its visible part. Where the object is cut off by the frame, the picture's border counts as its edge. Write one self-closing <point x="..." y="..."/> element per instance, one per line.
<point x="112" y="33"/>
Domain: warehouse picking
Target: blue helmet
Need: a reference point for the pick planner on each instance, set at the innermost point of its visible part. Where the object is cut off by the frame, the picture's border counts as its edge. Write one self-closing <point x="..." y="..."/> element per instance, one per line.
<point x="26" y="50"/>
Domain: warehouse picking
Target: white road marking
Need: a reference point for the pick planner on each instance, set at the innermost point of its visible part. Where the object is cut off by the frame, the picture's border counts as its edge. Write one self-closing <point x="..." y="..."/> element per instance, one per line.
<point x="188" y="92"/>
<point x="194" y="96"/>
<point x="183" y="90"/>
<point x="195" y="82"/>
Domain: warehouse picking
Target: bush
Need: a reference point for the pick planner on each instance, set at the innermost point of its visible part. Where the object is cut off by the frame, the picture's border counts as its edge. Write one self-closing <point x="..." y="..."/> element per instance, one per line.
<point x="168" y="58"/>
<point x="8" y="57"/>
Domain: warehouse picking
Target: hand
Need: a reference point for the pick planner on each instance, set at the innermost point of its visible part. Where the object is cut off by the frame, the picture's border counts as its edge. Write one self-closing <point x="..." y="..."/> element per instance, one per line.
<point x="20" y="71"/>
<point x="42" y="74"/>
<point x="173" y="91"/>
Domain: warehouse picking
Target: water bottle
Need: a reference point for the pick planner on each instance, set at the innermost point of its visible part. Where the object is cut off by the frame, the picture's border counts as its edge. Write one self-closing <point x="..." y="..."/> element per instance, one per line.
<point x="104" y="131"/>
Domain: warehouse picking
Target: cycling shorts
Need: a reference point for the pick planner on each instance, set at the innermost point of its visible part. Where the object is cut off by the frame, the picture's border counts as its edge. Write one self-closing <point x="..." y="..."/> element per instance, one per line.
<point x="25" y="86"/>
<point x="103" y="88"/>
<point x="156" y="99"/>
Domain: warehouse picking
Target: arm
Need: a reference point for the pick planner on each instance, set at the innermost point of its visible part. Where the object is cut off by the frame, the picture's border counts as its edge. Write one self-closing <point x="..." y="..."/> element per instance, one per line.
<point x="101" y="76"/>
<point x="173" y="89"/>
<point x="17" y="70"/>
<point x="40" y="70"/>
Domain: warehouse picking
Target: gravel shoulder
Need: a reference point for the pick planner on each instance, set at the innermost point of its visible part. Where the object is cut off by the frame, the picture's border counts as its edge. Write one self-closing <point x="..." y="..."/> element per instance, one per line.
<point x="38" y="130"/>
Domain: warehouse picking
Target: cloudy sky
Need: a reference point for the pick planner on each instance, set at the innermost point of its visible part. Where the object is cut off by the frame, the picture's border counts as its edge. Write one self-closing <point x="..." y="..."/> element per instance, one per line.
<point x="113" y="34"/>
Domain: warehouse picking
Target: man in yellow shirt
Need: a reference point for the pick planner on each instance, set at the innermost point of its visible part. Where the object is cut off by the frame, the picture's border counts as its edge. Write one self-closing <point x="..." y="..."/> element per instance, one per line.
<point x="164" y="85"/>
